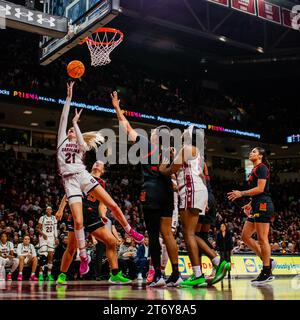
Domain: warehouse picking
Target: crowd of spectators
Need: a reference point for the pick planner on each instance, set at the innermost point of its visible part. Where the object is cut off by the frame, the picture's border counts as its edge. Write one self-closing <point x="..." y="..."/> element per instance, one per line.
<point x="145" y="90"/>
<point x="27" y="187"/>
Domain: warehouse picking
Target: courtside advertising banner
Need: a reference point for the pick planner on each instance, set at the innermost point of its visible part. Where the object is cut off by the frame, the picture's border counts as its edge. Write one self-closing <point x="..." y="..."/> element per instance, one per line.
<point x="269" y="11"/>
<point x="242" y="265"/>
<point x="247" y="6"/>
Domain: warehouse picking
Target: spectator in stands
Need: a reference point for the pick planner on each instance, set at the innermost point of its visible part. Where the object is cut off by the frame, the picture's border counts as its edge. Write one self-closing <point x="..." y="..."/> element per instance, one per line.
<point x="127" y="254"/>
<point x="142" y="259"/>
<point x="224" y="243"/>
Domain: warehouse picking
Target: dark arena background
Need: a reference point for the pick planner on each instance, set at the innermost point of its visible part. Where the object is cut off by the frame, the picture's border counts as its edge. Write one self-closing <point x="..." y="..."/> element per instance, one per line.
<point x="230" y="67"/>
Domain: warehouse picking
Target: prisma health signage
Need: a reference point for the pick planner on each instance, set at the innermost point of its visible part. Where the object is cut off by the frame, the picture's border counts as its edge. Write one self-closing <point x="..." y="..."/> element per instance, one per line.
<point x="34" y="97"/>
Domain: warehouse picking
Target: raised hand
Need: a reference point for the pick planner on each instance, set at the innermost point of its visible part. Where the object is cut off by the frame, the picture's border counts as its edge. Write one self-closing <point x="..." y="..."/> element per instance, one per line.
<point x="115" y="100"/>
<point x="70" y="89"/>
<point x="77" y="115"/>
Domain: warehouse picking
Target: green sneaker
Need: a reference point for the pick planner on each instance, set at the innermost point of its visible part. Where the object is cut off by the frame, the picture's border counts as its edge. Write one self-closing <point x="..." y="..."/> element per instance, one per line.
<point x="118" y="278"/>
<point x="61" y="279"/>
<point x="192" y="281"/>
<point x="50" y="277"/>
<point x="41" y="277"/>
<point x="221" y="271"/>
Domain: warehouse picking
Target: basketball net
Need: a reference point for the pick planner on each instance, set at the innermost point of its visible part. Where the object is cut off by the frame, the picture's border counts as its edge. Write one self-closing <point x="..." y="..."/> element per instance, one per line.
<point x="101" y="43"/>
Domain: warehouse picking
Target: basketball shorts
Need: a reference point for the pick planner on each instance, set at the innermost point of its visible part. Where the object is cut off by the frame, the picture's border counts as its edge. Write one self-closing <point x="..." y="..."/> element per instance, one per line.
<point x="191" y="199"/>
<point x="78" y="183"/>
<point x="46" y="245"/>
<point x="261" y="212"/>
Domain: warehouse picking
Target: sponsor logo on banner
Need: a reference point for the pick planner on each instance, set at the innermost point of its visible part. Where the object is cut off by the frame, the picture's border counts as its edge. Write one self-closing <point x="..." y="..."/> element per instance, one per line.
<point x="250" y="265"/>
<point x="181" y="265"/>
<point x="221" y="2"/>
<point x="269" y="11"/>
<point x="247" y="6"/>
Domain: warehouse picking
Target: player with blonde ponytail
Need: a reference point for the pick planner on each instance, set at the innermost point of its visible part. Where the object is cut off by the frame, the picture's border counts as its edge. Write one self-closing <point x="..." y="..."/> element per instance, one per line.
<point x="71" y="147"/>
<point x="93" y="139"/>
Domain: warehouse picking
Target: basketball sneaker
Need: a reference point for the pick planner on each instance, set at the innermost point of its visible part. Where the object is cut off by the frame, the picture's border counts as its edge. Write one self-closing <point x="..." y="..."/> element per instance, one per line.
<point x="20" y="277"/>
<point x="263" y="278"/>
<point x="9" y="277"/>
<point x="50" y="277"/>
<point x="174" y="280"/>
<point x="118" y="278"/>
<point x="158" y="282"/>
<point x="61" y="279"/>
<point x="150" y="276"/>
<point x="137" y="237"/>
<point x="192" y="281"/>
<point x="84" y="265"/>
<point x="33" y="278"/>
<point x="41" y="277"/>
<point x="221" y="271"/>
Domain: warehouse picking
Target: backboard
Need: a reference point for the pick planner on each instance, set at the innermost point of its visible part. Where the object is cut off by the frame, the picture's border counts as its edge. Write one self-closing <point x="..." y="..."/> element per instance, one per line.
<point x="84" y="17"/>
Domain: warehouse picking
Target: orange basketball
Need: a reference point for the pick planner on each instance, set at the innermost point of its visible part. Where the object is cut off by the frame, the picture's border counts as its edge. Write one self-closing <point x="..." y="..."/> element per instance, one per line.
<point x="75" y="69"/>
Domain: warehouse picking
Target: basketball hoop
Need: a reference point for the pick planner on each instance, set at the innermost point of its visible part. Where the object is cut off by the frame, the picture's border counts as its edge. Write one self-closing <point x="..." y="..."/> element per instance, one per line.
<point x="101" y="43"/>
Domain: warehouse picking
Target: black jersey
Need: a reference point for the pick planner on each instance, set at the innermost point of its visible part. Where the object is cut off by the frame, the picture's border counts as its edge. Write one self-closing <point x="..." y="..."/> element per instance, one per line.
<point x="157" y="189"/>
<point x="261" y="171"/>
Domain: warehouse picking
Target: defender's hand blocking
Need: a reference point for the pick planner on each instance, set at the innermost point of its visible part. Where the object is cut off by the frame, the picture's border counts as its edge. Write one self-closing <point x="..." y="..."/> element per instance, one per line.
<point x="115" y="100"/>
<point x="77" y="116"/>
<point x="70" y="89"/>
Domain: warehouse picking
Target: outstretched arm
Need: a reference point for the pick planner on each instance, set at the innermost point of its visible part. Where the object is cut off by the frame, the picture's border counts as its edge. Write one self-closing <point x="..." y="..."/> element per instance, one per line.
<point x="123" y="121"/>
<point x="62" y="129"/>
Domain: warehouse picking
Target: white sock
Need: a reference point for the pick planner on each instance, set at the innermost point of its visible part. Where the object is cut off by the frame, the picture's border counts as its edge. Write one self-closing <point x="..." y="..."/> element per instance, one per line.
<point x="127" y="228"/>
<point x="197" y="271"/>
<point x="20" y="272"/>
<point x="80" y="238"/>
<point x="41" y="272"/>
<point x="32" y="273"/>
<point x="216" y="260"/>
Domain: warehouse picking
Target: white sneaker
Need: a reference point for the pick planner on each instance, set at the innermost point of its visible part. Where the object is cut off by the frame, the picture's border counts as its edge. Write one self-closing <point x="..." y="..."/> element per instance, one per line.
<point x="139" y="277"/>
<point x="174" y="281"/>
<point x="158" y="283"/>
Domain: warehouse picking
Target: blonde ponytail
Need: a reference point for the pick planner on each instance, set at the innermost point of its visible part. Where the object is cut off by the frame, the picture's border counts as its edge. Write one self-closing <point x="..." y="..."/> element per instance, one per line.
<point x="93" y="139"/>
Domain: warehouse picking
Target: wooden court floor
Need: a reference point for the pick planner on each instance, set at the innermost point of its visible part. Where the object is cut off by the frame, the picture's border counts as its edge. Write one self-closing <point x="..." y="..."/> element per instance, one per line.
<point x="235" y="289"/>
